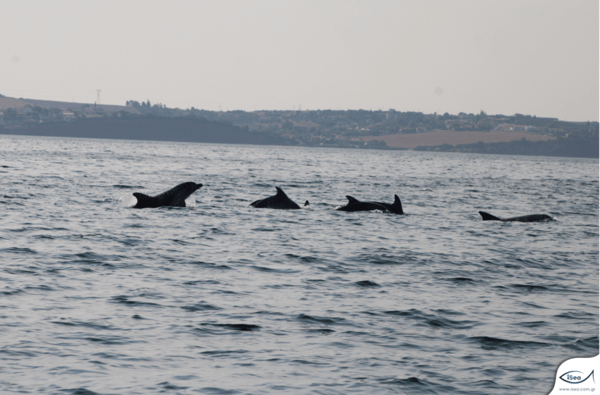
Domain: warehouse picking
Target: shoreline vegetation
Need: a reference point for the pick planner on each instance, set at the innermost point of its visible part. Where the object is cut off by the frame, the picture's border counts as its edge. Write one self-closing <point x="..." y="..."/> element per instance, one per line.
<point x="474" y="133"/>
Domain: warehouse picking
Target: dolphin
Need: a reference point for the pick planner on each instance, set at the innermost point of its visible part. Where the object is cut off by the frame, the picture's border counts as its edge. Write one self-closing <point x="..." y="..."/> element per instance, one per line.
<point x="173" y="197"/>
<point x="394" y="208"/>
<point x="525" y="218"/>
<point x="278" y="201"/>
<point x="356" y="205"/>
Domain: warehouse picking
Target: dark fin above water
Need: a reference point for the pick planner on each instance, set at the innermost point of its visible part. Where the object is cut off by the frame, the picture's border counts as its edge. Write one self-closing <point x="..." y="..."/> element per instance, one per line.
<point x="488" y="217"/>
<point x="306" y="203"/>
<point x="280" y="193"/>
<point x="144" y="201"/>
<point x="277" y="201"/>
<point x="174" y="197"/>
<point x="397" y="206"/>
<point x="352" y="200"/>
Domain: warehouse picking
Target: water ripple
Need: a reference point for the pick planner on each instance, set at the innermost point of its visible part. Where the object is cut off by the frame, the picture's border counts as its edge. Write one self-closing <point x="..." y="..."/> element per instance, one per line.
<point x="222" y="298"/>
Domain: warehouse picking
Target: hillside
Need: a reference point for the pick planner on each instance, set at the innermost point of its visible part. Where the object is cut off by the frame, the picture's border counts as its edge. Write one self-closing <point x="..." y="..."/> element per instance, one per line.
<point x="441" y="137"/>
<point x="573" y="145"/>
<point x="144" y="128"/>
<point x="391" y="129"/>
<point x="20" y="104"/>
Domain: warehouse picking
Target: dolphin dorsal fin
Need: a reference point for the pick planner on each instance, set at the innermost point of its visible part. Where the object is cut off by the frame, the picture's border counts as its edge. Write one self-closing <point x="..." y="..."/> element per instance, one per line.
<point x="141" y="196"/>
<point x="306" y="203"/>
<point x="280" y="192"/>
<point x="351" y="199"/>
<point x="397" y="205"/>
<point x="488" y="217"/>
<point x="144" y="200"/>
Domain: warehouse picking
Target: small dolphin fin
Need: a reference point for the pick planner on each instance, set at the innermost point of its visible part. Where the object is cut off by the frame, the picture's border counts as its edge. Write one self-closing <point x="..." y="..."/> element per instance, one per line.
<point x="306" y="203"/>
<point x="280" y="192"/>
<point x="488" y="217"/>
<point x="397" y="206"/>
<point x="351" y="200"/>
<point x="144" y="200"/>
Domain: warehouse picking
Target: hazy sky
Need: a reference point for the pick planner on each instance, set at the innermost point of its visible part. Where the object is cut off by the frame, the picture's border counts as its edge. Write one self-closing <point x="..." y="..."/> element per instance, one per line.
<point x="536" y="57"/>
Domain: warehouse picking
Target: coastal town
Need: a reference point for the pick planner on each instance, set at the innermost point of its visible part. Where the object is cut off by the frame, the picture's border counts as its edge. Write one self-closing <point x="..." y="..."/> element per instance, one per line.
<point x="380" y="129"/>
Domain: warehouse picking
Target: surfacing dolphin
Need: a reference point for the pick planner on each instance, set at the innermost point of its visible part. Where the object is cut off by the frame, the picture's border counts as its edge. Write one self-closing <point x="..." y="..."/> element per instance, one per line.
<point x="278" y="201"/>
<point x="173" y="197"/>
<point x="525" y="218"/>
<point x="356" y="205"/>
<point x="394" y="208"/>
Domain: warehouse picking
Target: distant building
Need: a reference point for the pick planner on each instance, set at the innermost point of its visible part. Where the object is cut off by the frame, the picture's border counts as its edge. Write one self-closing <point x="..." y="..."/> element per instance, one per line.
<point x="68" y="115"/>
<point x="520" y="128"/>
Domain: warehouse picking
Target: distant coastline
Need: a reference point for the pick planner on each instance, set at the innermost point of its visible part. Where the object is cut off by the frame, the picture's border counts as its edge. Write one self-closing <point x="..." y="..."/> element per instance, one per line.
<point x="477" y="133"/>
<point x="144" y="128"/>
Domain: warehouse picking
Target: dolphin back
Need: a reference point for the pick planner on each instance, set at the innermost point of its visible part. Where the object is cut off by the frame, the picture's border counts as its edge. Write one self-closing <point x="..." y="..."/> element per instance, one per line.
<point x="531" y="218"/>
<point x="356" y="205"/>
<point x="524" y="218"/>
<point x="352" y="200"/>
<point x="144" y="201"/>
<point x="174" y="197"/>
<point x="279" y="201"/>
<point x="489" y="217"/>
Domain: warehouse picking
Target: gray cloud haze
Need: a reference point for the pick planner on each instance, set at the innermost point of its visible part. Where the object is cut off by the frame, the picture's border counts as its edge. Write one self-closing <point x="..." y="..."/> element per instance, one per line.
<point x="537" y="57"/>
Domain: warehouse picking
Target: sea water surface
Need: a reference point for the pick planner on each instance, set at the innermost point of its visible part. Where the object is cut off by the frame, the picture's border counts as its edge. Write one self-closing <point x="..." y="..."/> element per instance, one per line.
<point x="221" y="298"/>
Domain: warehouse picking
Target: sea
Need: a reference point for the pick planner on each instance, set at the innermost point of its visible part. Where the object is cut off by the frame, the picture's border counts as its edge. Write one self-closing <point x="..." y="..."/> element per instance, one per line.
<point x="97" y="297"/>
